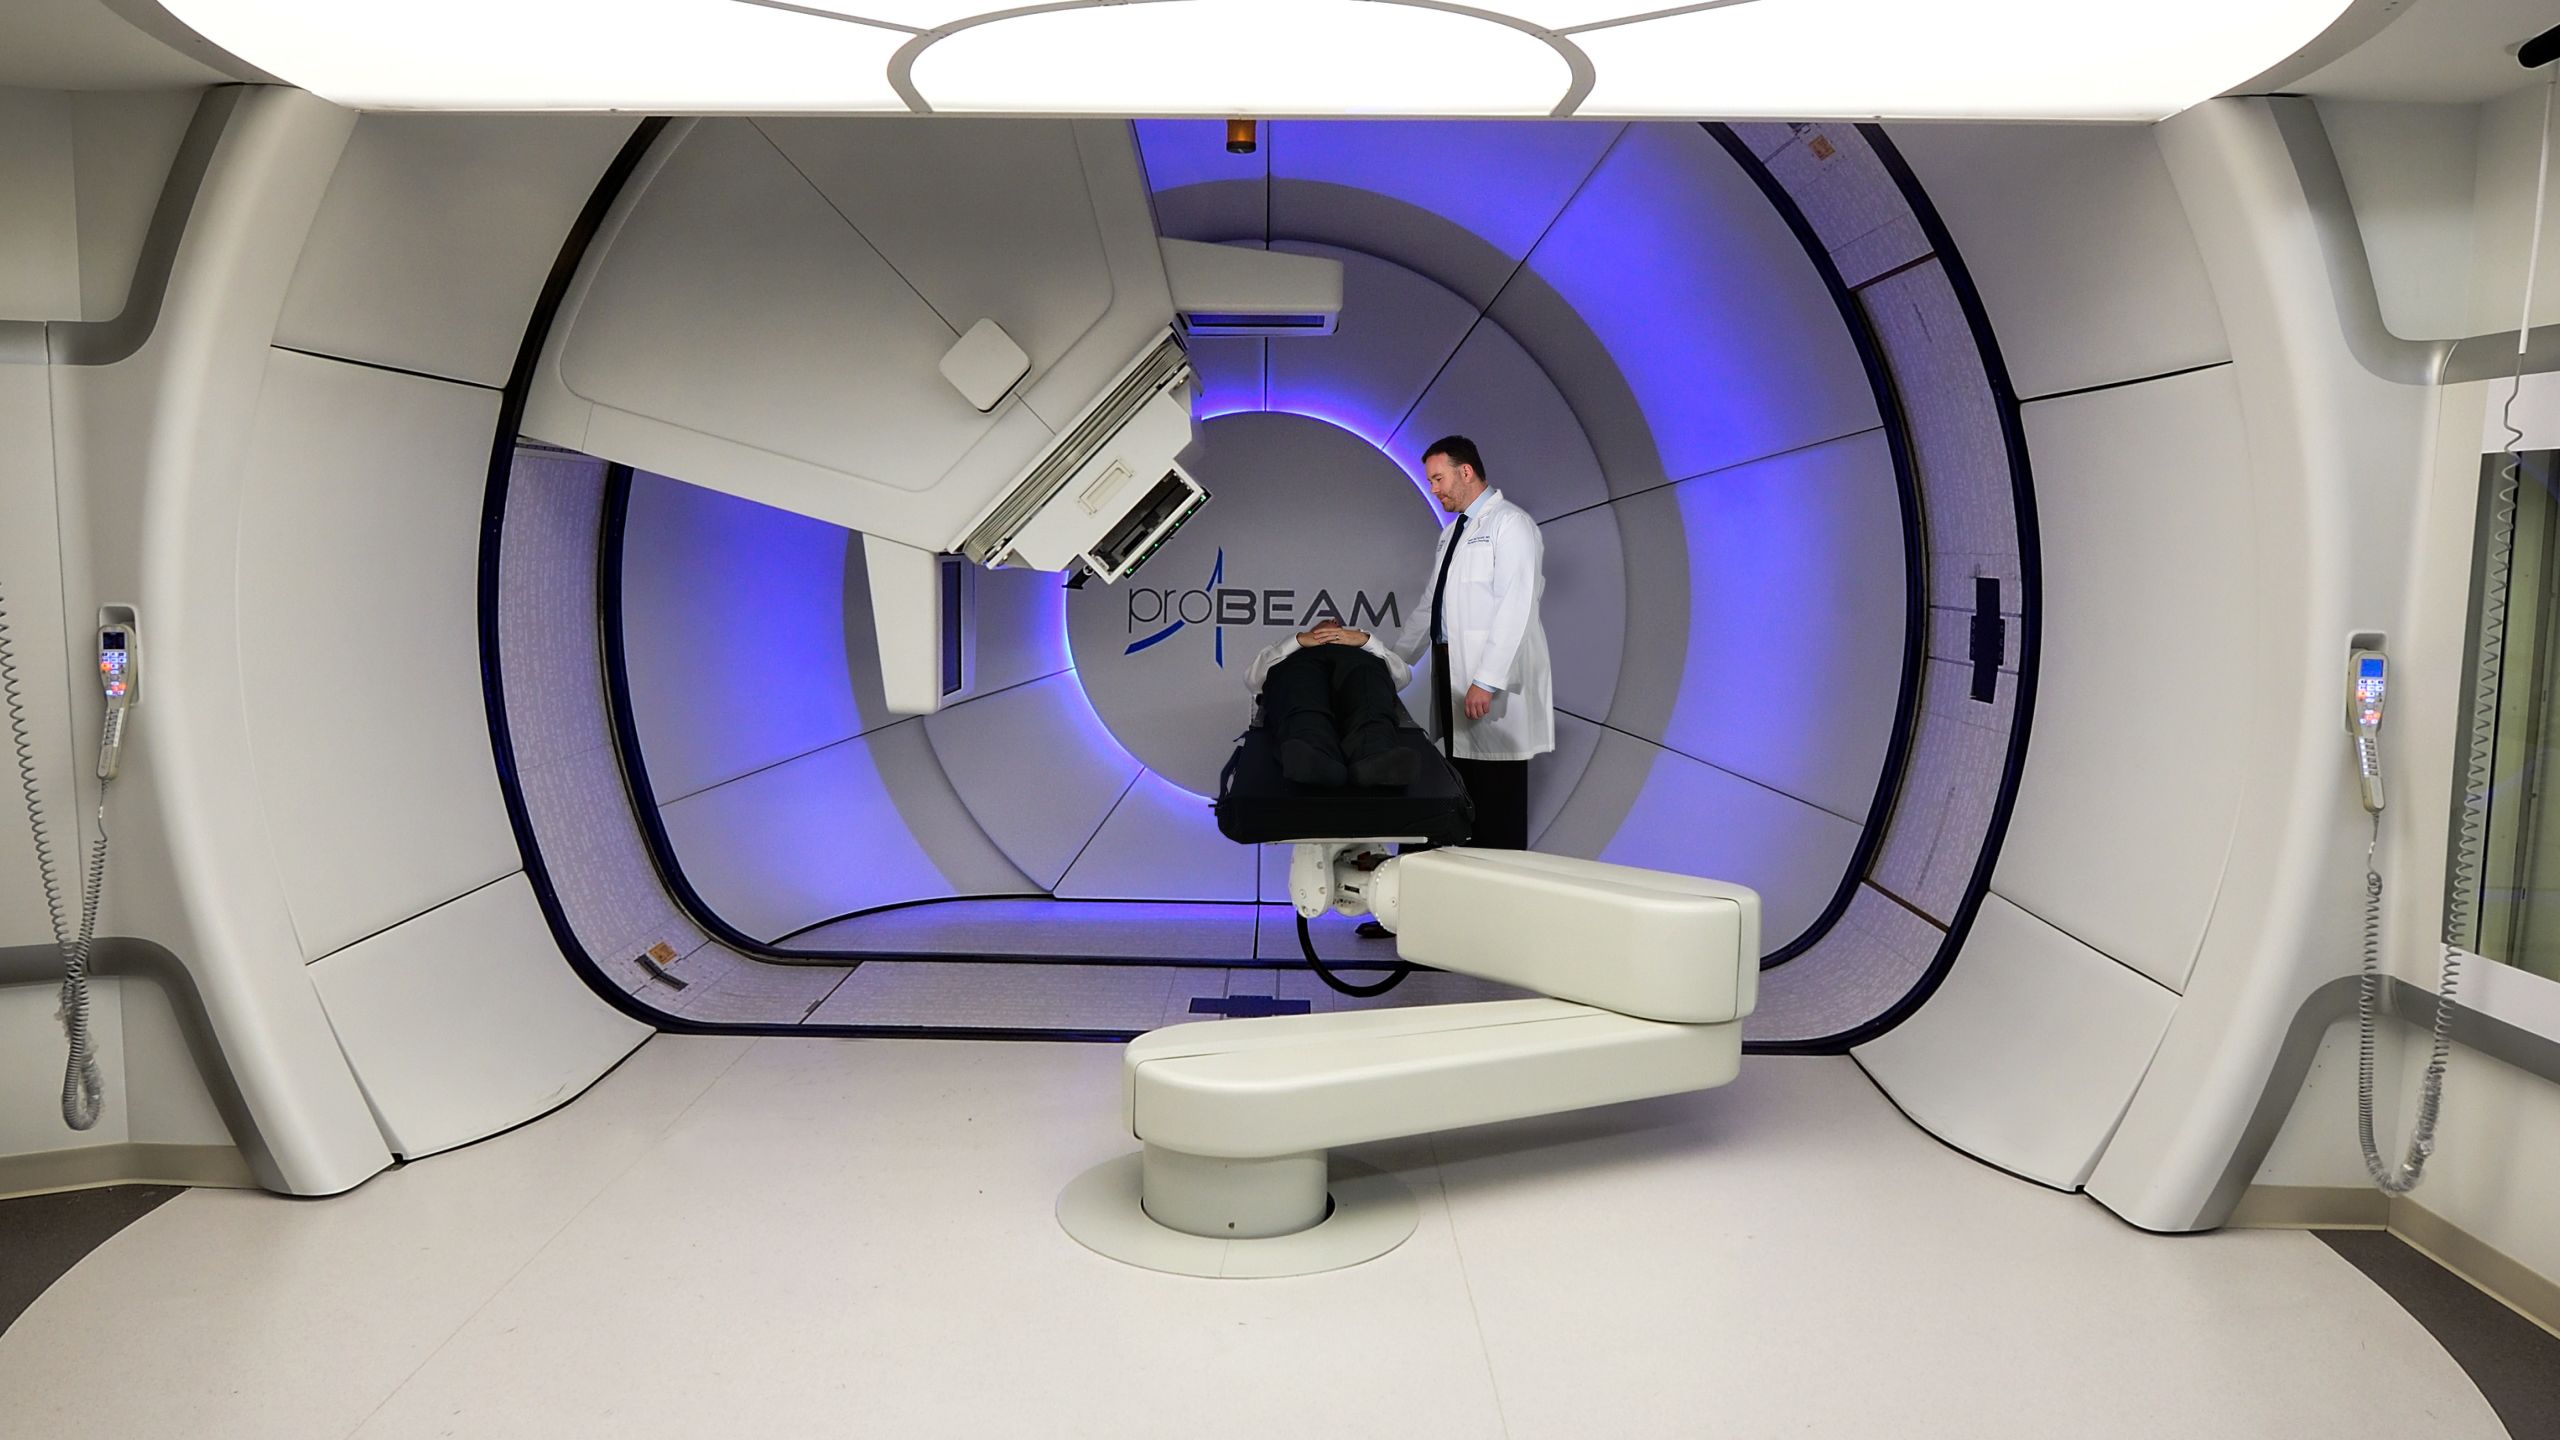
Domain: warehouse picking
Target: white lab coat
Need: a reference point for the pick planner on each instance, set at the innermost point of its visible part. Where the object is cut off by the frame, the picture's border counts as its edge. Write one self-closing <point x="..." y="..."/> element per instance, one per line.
<point x="1495" y="637"/>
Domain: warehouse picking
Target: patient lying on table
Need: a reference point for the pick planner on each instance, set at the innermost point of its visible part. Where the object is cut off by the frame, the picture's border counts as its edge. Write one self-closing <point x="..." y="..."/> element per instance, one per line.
<point x="1331" y="704"/>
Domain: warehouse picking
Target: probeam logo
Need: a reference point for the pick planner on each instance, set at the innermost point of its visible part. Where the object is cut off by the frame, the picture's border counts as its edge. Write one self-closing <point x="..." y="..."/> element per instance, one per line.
<point x="1218" y="605"/>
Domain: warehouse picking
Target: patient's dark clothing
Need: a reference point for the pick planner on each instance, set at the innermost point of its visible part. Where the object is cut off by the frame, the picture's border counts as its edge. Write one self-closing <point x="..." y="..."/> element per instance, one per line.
<point x="1337" y="699"/>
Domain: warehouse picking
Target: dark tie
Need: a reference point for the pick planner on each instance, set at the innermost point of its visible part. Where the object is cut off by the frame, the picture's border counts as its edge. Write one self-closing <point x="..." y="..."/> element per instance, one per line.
<point x="1440" y="585"/>
<point x="1441" y="714"/>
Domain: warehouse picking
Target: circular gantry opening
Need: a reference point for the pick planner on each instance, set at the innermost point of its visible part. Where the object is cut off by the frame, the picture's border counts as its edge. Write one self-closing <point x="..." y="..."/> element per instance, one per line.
<point x="1659" y="358"/>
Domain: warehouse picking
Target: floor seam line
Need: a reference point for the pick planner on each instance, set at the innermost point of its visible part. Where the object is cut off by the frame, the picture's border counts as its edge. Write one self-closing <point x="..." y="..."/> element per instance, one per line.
<point x="1475" y="1312"/>
<point x="549" y="1240"/>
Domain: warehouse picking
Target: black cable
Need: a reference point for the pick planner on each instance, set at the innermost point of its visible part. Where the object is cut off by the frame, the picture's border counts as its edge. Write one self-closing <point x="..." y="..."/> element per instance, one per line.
<point x="1307" y="943"/>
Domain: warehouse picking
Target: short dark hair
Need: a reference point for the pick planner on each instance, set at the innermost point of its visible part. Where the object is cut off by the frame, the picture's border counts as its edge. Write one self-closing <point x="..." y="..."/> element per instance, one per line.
<point x="1460" y="450"/>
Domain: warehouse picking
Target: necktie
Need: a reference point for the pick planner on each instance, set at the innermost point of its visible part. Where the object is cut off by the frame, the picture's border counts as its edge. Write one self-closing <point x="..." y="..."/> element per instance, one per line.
<point x="1440" y="585"/>
<point x="1441" y="714"/>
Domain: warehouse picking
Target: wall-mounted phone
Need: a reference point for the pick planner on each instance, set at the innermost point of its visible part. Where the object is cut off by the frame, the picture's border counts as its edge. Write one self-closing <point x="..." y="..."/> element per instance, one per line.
<point x="2368" y="681"/>
<point x="2368" y="672"/>
<point x="84" y="1090"/>
<point x="120" y="677"/>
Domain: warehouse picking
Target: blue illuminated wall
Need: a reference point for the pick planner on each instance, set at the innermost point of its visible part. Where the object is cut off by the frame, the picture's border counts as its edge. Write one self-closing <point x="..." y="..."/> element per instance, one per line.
<point x="787" y="797"/>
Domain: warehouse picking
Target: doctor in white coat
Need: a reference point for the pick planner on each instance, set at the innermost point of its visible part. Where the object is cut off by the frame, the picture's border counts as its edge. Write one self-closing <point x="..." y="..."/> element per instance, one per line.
<point x="1495" y="702"/>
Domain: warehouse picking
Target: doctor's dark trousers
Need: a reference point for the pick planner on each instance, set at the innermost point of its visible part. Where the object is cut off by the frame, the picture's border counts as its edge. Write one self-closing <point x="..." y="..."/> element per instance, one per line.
<point x="1500" y="789"/>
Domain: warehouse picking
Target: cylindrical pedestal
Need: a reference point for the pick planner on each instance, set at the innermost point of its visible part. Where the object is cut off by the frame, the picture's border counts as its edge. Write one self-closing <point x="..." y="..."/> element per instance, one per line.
<point x="1233" y="1199"/>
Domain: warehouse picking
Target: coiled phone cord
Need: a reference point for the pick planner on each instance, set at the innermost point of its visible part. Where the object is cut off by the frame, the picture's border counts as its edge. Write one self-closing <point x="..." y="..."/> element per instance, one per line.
<point x="83" y="1092"/>
<point x="2422" y="1139"/>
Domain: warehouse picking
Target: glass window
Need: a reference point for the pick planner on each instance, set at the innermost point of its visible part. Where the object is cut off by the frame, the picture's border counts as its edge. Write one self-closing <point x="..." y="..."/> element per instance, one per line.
<point x="2503" y="880"/>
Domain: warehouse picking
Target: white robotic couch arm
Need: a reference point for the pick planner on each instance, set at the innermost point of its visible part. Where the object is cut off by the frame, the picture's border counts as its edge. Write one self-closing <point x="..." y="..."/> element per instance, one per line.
<point x="1645" y="943"/>
<point x="1651" y="975"/>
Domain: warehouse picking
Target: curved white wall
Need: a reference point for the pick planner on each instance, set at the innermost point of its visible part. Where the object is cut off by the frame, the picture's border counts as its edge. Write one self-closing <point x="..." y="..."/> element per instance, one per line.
<point x="287" y="477"/>
<point x="2113" y="857"/>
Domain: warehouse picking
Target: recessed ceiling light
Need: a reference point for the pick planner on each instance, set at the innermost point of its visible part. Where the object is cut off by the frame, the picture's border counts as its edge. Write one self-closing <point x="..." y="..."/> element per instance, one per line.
<point x="1238" y="57"/>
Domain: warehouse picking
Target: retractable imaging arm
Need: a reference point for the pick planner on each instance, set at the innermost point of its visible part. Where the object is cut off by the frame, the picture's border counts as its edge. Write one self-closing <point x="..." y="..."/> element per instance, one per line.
<point x="1646" y="943"/>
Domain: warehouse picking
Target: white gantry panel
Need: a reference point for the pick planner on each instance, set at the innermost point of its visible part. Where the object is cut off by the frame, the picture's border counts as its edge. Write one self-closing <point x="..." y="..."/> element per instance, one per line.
<point x="2133" y="778"/>
<point x="1036" y="767"/>
<point x="1709" y="313"/>
<point x="436" y="235"/>
<point x="1161" y="843"/>
<point x="463" y="1022"/>
<point x="1796" y="606"/>
<point x="1584" y="607"/>
<point x="2029" y="1051"/>
<point x="1202" y="191"/>
<point x="1234" y="373"/>
<point x="2107" y="284"/>
<point x="805" y="841"/>
<point x="1552" y="776"/>
<point x="1639" y="804"/>
<point x="1460" y="202"/>
<point x="359" y="629"/>
<point x="1396" y="332"/>
<point x="736" y="303"/>
<point x="1010" y="235"/>
<point x="733" y="634"/>
<point x="1494" y="393"/>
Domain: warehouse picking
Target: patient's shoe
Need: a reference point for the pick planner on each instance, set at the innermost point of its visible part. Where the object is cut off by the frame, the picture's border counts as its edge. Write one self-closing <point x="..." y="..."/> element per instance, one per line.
<point x="1386" y="768"/>
<point x="1307" y="765"/>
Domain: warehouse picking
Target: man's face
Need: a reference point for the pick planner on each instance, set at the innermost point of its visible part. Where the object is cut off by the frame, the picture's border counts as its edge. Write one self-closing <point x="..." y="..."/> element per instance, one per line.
<point x="1452" y="485"/>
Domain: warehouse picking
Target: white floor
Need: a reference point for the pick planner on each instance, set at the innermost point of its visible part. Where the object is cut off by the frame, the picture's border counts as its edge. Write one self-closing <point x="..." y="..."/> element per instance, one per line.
<point x="800" y="1236"/>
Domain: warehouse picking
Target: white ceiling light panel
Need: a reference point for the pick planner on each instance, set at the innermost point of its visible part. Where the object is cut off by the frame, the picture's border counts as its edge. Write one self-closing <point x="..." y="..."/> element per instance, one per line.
<point x="1245" y="57"/>
<point x="669" y="56"/>
<point x="2010" y="59"/>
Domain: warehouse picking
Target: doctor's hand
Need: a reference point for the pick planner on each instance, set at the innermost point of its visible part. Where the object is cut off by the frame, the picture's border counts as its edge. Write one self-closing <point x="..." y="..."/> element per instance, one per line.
<point x="1479" y="700"/>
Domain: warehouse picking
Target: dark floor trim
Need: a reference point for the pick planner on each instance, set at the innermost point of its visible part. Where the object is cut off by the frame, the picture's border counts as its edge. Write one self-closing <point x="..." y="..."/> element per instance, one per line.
<point x="43" y="1236"/>
<point x="2515" y="1362"/>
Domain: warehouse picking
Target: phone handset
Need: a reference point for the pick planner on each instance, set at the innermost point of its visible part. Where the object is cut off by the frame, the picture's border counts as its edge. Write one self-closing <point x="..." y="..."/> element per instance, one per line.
<point x="119" y="674"/>
<point x="2367" y="671"/>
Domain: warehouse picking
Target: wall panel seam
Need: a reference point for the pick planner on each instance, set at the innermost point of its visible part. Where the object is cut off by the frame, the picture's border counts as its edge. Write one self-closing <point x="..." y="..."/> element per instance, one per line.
<point x="1484" y="312"/>
<point x="419" y="915"/>
<point x="378" y="365"/>
<point x="1805" y="448"/>
<point x="2121" y="384"/>
<point x="1710" y="764"/>
<point x="2078" y="939"/>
